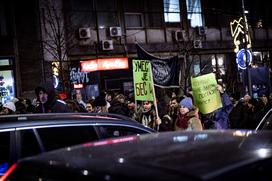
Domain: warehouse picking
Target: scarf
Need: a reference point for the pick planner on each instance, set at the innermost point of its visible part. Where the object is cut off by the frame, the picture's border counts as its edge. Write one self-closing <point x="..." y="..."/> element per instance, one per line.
<point x="182" y="121"/>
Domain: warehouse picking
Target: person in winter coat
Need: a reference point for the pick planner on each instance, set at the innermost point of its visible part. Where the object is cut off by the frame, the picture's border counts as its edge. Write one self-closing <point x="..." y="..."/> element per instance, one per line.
<point x="8" y="108"/>
<point x="222" y="114"/>
<point x="188" y="118"/>
<point x="148" y="116"/>
<point x="47" y="102"/>
<point x="118" y="105"/>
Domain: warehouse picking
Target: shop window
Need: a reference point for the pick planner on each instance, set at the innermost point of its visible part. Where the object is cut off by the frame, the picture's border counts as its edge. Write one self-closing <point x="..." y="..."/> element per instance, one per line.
<point x="7" y="86"/>
<point x="171" y="11"/>
<point x="194" y="12"/>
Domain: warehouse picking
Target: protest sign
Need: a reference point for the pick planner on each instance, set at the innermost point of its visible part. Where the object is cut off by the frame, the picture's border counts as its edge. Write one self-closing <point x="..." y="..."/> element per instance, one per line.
<point x="143" y="82"/>
<point x="206" y="96"/>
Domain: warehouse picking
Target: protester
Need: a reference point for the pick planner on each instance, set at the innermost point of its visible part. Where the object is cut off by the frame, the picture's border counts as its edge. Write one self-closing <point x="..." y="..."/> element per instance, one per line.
<point x="118" y="106"/>
<point x="148" y="116"/>
<point x="47" y="102"/>
<point x="188" y="118"/>
<point x="8" y="108"/>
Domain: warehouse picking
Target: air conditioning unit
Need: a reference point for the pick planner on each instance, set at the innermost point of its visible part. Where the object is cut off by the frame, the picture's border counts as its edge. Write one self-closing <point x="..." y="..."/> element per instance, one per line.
<point x="197" y="44"/>
<point x="84" y="33"/>
<point x="179" y="36"/>
<point x="107" y="45"/>
<point x="115" y="31"/>
<point x="201" y="30"/>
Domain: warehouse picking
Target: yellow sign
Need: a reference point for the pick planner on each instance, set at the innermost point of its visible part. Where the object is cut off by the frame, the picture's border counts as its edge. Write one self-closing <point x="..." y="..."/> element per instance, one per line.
<point x="206" y="96"/>
<point x="240" y="33"/>
<point x="143" y="80"/>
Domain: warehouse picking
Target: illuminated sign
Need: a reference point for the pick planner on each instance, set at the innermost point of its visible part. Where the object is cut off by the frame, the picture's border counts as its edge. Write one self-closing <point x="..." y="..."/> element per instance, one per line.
<point x="238" y="33"/>
<point x="104" y="64"/>
<point x="241" y="58"/>
<point x="78" y="86"/>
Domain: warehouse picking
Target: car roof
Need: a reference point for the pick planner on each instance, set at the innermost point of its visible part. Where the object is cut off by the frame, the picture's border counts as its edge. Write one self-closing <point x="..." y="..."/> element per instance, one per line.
<point x="162" y="156"/>
<point x="32" y="120"/>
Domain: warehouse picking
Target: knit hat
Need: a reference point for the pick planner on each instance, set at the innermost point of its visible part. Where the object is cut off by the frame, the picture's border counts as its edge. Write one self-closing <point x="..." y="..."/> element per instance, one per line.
<point x="10" y="105"/>
<point x="187" y="102"/>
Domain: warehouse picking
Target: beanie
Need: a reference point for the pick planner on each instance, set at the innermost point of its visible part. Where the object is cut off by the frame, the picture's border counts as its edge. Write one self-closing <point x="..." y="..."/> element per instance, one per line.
<point x="10" y="105"/>
<point x="187" y="102"/>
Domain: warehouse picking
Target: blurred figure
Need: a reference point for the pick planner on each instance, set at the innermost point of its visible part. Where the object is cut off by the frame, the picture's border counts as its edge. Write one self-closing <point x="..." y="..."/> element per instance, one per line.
<point x="188" y="118"/>
<point x="100" y="104"/>
<point x="8" y="108"/>
<point x="118" y="106"/>
<point x="89" y="106"/>
<point x="109" y="97"/>
<point x="73" y="106"/>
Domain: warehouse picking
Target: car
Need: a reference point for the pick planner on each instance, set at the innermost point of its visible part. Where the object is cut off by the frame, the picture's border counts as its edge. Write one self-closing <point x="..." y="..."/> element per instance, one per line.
<point x="266" y="122"/>
<point x="30" y="134"/>
<point x="184" y="155"/>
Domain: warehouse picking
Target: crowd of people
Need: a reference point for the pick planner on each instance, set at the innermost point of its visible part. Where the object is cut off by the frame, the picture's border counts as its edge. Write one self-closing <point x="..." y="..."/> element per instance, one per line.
<point x="179" y="113"/>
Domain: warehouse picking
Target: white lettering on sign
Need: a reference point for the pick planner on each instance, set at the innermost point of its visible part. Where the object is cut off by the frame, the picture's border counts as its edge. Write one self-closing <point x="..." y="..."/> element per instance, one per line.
<point x="78" y="77"/>
<point x="104" y="64"/>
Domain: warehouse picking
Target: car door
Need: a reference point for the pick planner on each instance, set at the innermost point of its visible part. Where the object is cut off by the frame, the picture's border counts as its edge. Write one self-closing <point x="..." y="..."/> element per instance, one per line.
<point x="7" y="150"/>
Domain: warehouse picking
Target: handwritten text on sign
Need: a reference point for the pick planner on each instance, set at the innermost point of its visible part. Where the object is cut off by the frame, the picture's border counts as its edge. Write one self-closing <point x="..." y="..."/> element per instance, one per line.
<point x="206" y="95"/>
<point x="143" y="88"/>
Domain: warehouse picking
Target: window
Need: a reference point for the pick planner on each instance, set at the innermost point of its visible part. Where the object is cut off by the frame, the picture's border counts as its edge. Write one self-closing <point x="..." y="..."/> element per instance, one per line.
<point x="29" y="143"/>
<point x="154" y="10"/>
<point x="7" y="84"/>
<point x="134" y="20"/>
<point x="4" y="151"/>
<point x="194" y="12"/>
<point x="171" y="11"/>
<point x="60" y="137"/>
<point x="116" y="131"/>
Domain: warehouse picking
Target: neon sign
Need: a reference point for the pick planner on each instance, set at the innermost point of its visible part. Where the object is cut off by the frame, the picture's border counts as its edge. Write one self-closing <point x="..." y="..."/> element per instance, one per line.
<point x="104" y="64"/>
<point x="238" y="33"/>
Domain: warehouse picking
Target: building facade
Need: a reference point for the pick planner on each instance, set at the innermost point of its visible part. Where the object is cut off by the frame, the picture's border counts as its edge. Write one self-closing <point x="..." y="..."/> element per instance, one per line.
<point x="69" y="32"/>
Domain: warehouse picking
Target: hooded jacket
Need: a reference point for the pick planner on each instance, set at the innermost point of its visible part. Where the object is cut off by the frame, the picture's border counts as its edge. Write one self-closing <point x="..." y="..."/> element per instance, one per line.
<point x="52" y="105"/>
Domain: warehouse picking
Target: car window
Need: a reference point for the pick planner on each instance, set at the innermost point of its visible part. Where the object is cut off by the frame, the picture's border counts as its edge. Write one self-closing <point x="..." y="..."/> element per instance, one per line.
<point x="4" y="151"/>
<point x="116" y="131"/>
<point x="29" y="143"/>
<point x="59" y="137"/>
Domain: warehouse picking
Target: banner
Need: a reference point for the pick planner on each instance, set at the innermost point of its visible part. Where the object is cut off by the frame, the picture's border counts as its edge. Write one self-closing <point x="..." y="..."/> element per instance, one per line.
<point x="166" y="71"/>
<point x="206" y="96"/>
<point x="143" y="83"/>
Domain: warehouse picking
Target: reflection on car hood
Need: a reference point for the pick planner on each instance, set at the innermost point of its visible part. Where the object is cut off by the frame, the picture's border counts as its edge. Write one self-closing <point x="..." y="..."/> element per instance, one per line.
<point x="165" y="156"/>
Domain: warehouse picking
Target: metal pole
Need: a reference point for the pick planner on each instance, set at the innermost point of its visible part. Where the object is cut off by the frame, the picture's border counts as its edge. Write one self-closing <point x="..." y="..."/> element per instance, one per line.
<point x="249" y="86"/>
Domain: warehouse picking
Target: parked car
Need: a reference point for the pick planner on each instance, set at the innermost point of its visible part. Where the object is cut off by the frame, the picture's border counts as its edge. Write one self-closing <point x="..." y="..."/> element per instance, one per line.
<point x="27" y="135"/>
<point x="266" y="122"/>
<point x="190" y="156"/>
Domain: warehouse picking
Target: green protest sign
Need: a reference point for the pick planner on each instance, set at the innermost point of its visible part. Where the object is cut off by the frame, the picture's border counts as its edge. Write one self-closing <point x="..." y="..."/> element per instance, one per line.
<point x="206" y="96"/>
<point x="143" y="82"/>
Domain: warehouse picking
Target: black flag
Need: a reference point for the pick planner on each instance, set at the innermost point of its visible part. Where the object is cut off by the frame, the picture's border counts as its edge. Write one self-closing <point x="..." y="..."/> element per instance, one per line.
<point x="166" y="71"/>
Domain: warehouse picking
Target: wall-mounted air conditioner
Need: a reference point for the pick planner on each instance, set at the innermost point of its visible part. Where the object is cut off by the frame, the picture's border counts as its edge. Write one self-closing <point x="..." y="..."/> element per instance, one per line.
<point x="84" y="33"/>
<point x="197" y="44"/>
<point x="115" y="31"/>
<point x="201" y="30"/>
<point x="180" y="35"/>
<point x="107" y="44"/>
